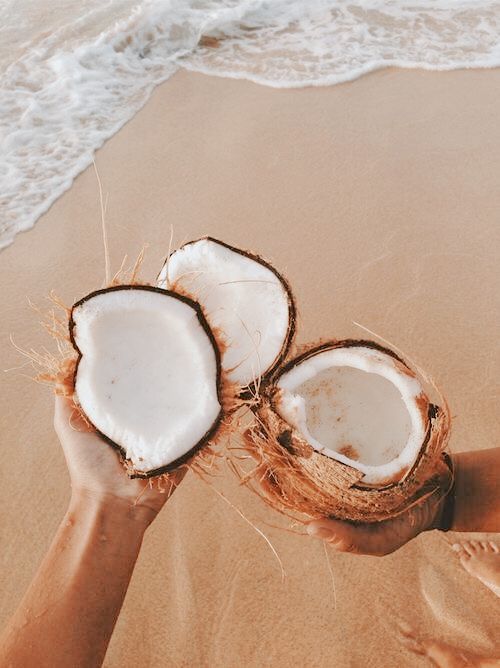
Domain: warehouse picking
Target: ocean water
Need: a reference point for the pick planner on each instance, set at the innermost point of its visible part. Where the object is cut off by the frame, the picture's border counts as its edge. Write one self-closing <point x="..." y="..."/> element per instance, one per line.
<point x="72" y="73"/>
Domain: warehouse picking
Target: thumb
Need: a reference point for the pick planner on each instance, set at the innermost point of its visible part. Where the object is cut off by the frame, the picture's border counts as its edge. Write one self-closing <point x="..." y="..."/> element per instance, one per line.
<point x="328" y="529"/>
<point x="345" y="536"/>
<point x="67" y="415"/>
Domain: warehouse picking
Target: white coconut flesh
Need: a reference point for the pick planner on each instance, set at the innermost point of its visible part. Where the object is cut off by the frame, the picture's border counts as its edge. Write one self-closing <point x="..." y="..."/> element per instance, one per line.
<point x="355" y="405"/>
<point x="147" y="377"/>
<point x="242" y="299"/>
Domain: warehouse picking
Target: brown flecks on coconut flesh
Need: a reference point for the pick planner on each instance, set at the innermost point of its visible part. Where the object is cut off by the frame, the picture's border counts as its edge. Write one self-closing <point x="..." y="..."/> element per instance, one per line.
<point x="242" y="296"/>
<point x="318" y="486"/>
<point x="378" y="406"/>
<point x="148" y="376"/>
<point x="349" y="451"/>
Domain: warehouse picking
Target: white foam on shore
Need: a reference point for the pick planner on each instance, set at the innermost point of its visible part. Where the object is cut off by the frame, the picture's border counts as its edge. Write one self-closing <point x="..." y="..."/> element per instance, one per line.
<point x="76" y="81"/>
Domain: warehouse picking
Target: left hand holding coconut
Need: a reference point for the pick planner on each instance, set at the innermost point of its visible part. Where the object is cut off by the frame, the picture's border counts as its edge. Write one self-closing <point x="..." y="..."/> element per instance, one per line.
<point x="96" y="472"/>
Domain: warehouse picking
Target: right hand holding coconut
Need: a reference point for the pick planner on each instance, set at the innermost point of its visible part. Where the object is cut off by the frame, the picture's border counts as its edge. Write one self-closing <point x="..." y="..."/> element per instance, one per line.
<point x="472" y="506"/>
<point x="378" y="538"/>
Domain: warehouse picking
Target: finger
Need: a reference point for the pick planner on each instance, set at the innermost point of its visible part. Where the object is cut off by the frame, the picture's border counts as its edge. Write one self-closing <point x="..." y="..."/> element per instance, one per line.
<point x="469" y="547"/>
<point x="412" y="643"/>
<point x="323" y="528"/>
<point x="459" y="549"/>
<point x="67" y="416"/>
<point x="344" y="537"/>
<point x="374" y="538"/>
<point x="404" y="629"/>
<point x="63" y="407"/>
<point x="464" y="560"/>
<point x="476" y="546"/>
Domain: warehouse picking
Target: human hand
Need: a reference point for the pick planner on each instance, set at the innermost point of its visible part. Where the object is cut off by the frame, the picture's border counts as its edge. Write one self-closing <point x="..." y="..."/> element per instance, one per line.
<point x="96" y="471"/>
<point x="379" y="538"/>
<point x="371" y="538"/>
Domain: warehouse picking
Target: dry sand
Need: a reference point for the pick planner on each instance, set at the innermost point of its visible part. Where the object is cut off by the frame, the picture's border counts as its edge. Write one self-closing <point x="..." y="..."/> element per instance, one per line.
<point x="379" y="199"/>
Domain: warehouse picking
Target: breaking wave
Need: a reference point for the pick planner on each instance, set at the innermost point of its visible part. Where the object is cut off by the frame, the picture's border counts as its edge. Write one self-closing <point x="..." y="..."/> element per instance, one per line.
<point x="67" y="88"/>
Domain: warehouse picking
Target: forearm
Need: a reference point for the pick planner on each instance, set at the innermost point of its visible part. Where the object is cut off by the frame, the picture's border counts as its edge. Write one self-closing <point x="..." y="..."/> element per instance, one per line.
<point x="67" y="616"/>
<point x="477" y="491"/>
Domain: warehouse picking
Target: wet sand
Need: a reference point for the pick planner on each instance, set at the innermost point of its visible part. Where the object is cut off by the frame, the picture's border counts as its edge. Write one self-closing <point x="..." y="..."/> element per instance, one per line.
<point x="379" y="200"/>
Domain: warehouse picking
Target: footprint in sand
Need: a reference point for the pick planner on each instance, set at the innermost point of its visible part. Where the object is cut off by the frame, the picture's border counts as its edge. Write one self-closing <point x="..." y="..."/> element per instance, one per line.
<point x="482" y="560"/>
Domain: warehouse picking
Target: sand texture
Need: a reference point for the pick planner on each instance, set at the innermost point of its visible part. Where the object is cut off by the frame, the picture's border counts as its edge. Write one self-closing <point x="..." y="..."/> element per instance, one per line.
<point x="379" y="200"/>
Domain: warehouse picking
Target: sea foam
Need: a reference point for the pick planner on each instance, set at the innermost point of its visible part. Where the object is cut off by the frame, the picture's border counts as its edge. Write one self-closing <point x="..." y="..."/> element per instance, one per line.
<point x="74" y="81"/>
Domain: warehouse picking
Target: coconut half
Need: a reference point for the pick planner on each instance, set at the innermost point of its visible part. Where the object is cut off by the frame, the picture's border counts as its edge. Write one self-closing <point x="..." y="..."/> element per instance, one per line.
<point x="357" y="405"/>
<point x="346" y="430"/>
<point x="148" y="375"/>
<point x="244" y="299"/>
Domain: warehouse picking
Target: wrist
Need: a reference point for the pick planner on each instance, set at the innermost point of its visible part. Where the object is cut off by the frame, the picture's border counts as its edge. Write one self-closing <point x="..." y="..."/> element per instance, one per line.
<point x="116" y="510"/>
<point x="444" y="517"/>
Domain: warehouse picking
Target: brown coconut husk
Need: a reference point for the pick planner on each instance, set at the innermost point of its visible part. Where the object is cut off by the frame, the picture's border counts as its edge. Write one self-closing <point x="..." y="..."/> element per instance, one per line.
<point x="294" y="479"/>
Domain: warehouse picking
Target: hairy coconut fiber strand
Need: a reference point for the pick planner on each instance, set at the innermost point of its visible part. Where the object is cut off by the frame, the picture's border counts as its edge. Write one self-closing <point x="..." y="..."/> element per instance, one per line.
<point x="243" y="297"/>
<point x="295" y="476"/>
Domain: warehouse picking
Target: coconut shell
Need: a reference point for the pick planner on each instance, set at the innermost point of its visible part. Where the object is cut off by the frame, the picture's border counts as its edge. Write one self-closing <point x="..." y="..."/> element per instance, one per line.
<point x="293" y="476"/>
<point x="247" y="392"/>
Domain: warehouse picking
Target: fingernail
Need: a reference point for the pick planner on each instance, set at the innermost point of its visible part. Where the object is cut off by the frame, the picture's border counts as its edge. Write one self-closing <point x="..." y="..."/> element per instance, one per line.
<point x="323" y="532"/>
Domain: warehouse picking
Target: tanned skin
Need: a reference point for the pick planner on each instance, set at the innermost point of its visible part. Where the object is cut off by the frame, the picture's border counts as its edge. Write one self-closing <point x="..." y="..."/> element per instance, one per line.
<point x="477" y="508"/>
<point x="68" y="614"/>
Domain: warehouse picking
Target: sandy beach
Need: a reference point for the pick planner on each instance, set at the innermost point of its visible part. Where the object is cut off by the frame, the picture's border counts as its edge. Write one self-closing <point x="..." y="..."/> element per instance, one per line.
<point x="379" y="200"/>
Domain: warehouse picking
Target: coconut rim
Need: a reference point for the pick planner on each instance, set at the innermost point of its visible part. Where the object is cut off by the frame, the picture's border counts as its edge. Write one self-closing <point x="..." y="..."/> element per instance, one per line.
<point x="271" y="390"/>
<point x="210" y="433"/>
<point x="246" y="392"/>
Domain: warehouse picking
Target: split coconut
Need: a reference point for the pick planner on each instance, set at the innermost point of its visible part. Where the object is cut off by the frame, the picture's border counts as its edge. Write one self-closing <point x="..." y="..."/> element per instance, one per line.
<point x="245" y="300"/>
<point x="346" y="430"/>
<point x="343" y="430"/>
